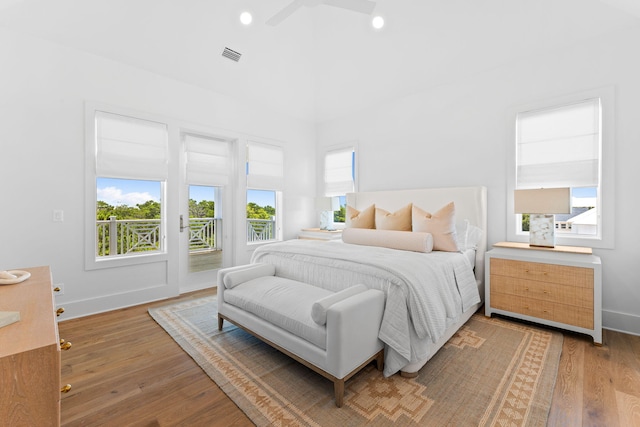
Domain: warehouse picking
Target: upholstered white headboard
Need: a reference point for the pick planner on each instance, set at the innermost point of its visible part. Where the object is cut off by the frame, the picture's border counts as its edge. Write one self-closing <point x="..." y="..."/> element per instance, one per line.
<point x="470" y="204"/>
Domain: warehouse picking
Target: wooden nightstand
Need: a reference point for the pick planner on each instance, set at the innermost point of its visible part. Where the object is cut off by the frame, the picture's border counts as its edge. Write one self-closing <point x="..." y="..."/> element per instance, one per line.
<point x="560" y="287"/>
<point x="317" y="234"/>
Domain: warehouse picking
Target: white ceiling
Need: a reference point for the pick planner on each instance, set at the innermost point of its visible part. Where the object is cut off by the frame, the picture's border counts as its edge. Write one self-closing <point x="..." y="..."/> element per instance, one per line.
<point x="321" y="62"/>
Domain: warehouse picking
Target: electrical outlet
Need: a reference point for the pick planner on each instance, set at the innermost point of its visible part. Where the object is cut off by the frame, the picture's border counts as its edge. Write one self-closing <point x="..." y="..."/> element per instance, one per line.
<point x="58" y="215"/>
<point x="58" y="289"/>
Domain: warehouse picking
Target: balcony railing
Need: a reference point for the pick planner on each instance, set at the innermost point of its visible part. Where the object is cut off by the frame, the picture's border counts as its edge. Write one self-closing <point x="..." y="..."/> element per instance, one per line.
<point x="260" y="230"/>
<point x="127" y="236"/>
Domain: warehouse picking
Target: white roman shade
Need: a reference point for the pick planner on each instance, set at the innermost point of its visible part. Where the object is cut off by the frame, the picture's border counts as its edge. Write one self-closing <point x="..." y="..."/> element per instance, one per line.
<point x="338" y="172"/>
<point x="265" y="166"/>
<point x="131" y="148"/>
<point x="208" y="160"/>
<point x="559" y="147"/>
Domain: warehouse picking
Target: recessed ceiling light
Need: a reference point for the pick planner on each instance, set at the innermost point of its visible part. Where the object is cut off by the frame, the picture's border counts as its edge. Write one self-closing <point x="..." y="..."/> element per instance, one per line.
<point x="246" y="18"/>
<point x="377" y="22"/>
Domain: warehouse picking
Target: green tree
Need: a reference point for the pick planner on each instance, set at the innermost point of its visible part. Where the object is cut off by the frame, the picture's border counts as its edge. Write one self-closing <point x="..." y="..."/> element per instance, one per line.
<point x="260" y="212"/>
<point x="202" y="209"/>
<point x="340" y="215"/>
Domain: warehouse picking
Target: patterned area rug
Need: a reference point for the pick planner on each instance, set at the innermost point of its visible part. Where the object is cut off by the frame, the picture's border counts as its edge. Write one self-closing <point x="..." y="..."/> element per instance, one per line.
<point x="491" y="372"/>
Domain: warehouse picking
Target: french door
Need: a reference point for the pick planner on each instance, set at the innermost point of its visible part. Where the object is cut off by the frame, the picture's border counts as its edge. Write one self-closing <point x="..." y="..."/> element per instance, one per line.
<point x="206" y="218"/>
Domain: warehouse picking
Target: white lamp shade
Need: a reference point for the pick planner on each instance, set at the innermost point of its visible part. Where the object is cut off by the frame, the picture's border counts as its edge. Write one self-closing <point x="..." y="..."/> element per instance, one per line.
<point x="324" y="204"/>
<point x="543" y="201"/>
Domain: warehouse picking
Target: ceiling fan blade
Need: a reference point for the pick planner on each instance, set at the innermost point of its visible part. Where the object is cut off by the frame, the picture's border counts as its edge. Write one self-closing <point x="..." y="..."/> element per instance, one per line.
<point x="284" y="13"/>
<point x="362" y="6"/>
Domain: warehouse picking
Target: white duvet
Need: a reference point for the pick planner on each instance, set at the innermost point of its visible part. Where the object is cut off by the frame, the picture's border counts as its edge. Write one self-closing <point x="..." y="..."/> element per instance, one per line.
<point x="425" y="292"/>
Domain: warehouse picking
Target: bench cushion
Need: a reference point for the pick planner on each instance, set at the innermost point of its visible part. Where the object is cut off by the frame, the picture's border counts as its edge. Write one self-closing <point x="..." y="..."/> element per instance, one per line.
<point x="283" y="302"/>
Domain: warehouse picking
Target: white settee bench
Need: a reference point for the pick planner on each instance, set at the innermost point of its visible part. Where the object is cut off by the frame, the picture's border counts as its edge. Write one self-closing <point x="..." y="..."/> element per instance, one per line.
<point x="333" y="333"/>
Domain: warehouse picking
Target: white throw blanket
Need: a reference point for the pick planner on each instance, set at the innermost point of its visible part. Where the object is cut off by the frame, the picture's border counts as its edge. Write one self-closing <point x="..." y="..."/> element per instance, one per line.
<point x="424" y="291"/>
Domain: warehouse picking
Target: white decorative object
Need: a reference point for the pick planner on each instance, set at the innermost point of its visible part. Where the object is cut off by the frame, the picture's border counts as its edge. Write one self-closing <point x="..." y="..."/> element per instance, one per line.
<point x="13" y="276"/>
<point x="9" y="317"/>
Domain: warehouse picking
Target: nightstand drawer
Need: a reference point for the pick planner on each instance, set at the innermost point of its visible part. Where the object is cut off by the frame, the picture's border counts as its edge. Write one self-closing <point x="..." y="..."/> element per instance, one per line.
<point x="571" y="315"/>
<point x="549" y="273"/>
<point x="521" y="305"/>
<point x="569" y="295"/>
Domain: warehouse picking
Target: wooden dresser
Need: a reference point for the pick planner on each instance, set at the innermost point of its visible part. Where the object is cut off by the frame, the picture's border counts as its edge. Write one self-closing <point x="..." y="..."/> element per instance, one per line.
<point x="559" y="286"/>
<point x="30" y="354"/>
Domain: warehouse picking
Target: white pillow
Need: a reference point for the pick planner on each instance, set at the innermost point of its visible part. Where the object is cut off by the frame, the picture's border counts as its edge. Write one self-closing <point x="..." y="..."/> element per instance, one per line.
<point x="468" y="236"/>
<point x="253" y="271"/>
<point x="393" y="239"/>
<point x="320" y="307"/>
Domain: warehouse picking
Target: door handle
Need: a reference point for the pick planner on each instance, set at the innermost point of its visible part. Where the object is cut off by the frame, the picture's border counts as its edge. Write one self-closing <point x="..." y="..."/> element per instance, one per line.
<point x="182" y="226"/>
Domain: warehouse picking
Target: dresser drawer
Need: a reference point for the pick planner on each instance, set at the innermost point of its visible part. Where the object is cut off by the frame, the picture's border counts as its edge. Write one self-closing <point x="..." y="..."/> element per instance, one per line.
<point x="571" y="315"/>
<point x="570" y="295"/>
<point x="521" y="305"/>
<point x="550" y="273"/>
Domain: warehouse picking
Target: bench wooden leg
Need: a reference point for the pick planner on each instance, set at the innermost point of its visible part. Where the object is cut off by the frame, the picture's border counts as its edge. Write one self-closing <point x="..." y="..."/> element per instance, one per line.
<point x="220" y="322"/>
<point x="380" y="360"/>
<point x="338" y="387"/>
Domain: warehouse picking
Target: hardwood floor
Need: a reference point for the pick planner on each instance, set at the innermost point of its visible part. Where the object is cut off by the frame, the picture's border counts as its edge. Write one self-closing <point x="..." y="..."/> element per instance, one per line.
<point x="125" y="370"/>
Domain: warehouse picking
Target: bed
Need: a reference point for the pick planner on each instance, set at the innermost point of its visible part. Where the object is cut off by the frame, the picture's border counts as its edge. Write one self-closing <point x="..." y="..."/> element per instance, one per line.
<point x="429" y="295"/>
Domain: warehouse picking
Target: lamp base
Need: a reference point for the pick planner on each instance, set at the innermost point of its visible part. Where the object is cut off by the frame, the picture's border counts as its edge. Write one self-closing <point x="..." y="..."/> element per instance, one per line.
<point x="542" y="230"/>
<point x="326" y="220"/>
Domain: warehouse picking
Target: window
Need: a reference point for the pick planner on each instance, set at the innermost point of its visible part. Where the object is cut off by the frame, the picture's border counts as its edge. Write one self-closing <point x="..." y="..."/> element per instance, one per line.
<point x="265" y="181"/>
<point x="563" y="145"/>
<point x="131" y="167"/>
<point x="339" y="177"/>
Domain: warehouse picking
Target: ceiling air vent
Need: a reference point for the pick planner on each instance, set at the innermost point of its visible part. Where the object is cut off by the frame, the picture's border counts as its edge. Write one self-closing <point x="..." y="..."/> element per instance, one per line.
<point x="231" y="54"/>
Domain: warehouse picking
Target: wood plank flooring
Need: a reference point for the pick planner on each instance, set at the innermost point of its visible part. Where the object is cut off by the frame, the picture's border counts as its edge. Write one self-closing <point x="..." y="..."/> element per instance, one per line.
<point x="125" y="370"/>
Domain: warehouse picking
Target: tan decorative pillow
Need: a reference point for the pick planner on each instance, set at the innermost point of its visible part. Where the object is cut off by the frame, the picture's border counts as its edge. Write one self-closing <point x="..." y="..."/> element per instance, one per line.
<point x="400" y="220"/>
<point x="364" y="219"/>
<point x="441" y="225"/>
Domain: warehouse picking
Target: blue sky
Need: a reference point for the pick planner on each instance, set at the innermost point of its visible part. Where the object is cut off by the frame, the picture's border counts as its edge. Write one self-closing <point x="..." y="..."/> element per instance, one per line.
<point x="132" y="192"/>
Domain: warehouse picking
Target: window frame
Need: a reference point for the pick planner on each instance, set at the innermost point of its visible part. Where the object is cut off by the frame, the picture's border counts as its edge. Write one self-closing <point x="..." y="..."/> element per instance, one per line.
<point x="278" y="190"/>
<point x="353" y="146"/>
<point x="606" y="188"/>
<point x="92" y="261"/>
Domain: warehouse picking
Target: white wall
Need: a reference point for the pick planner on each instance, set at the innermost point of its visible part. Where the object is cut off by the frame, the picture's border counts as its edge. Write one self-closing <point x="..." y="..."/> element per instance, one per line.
<point x="457" y="134"/>
<point x="44" y="87"/>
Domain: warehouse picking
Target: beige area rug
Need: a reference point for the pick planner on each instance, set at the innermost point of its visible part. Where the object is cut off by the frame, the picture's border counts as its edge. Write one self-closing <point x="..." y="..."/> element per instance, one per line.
<point x="492" y="372"/>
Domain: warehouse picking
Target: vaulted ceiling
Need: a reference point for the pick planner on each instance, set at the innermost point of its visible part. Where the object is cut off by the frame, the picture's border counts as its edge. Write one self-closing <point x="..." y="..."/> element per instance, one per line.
<point x="321" y="62"/>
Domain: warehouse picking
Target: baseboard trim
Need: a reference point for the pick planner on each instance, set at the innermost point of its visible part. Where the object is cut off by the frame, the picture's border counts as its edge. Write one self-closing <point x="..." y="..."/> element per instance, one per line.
<point x="104" y="303"/>
<point x="621" y="322"/>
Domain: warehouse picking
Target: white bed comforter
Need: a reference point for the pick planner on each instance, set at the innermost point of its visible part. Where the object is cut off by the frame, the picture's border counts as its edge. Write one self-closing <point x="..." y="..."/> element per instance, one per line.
<point x="425" y="292"/>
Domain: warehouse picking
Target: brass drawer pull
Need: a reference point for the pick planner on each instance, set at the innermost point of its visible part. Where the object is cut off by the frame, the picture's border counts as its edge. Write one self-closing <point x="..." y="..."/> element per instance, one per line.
<point x="66" y="389"/>
<point x="65" y="346"/>
<point x="59" y="311"/>
<point x="56" y="289"/>
<point x="529" y="271"/>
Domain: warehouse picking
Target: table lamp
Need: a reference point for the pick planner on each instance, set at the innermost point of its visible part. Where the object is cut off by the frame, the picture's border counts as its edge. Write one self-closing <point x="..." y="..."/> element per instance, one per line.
<point x="541" y="205"/>
<point x="326" y="206"/>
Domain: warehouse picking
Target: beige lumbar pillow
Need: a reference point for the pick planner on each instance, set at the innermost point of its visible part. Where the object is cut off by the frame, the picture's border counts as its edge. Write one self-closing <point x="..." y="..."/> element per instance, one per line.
<point x="361" y="219"/>
<point x="441" y="225"/>
<point x="392" y="239"/>
<point x="400" y="220"/>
